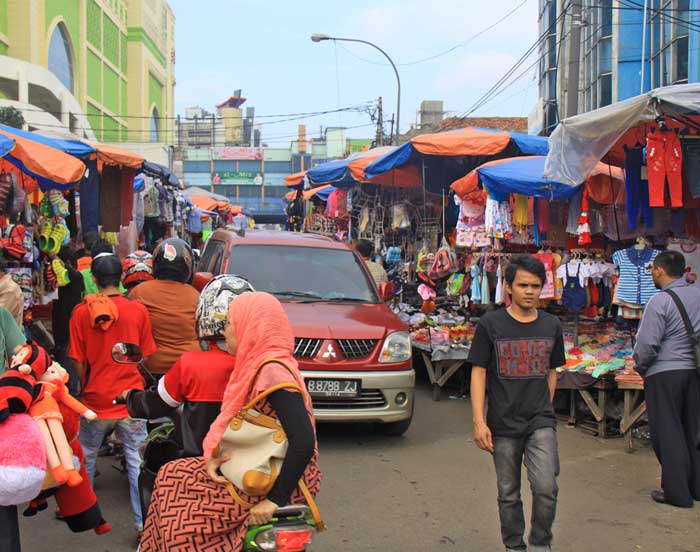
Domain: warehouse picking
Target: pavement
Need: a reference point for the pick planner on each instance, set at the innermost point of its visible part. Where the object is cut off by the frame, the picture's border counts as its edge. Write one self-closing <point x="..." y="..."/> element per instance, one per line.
<point x="433" y="490"/>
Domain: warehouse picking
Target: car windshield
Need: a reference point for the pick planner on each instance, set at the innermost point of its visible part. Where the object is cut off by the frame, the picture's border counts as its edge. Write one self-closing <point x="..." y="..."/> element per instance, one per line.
<point x="293" y="273"/>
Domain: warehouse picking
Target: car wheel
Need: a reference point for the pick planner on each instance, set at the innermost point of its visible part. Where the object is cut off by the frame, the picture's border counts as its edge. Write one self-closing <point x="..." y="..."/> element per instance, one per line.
<point x="396" y="429"/>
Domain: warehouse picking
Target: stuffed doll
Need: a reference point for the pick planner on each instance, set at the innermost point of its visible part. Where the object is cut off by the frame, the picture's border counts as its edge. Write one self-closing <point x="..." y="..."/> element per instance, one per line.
<point x="48" y="416"/>
<point x="22" y="456"/>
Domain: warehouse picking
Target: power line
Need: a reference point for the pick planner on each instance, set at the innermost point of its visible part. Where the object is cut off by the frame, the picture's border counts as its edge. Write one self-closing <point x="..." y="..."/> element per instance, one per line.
<point x="449" y="50"/>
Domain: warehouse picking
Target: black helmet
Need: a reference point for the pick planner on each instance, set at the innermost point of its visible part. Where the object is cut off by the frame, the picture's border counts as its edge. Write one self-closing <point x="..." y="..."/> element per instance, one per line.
<point x="172" y="260"/>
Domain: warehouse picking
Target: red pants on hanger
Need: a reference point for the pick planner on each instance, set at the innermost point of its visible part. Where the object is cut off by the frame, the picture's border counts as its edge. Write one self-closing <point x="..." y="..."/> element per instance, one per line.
<point x="665" y="163"/>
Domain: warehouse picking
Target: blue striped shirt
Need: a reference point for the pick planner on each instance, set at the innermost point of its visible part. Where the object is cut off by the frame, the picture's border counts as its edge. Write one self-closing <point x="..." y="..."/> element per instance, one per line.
<point x="635" y="284"/>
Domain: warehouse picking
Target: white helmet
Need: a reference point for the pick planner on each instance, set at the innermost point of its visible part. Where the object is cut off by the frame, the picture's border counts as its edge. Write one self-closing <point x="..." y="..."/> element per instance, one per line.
<point x="214" y="302"/>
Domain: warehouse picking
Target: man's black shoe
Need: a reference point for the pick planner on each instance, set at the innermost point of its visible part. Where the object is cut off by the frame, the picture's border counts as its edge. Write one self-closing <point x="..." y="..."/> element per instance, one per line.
<point x="657" y="495"/>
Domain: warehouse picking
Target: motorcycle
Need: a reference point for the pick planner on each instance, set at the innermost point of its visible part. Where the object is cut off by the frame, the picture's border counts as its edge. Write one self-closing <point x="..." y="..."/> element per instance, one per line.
<point x="291" y="528"/>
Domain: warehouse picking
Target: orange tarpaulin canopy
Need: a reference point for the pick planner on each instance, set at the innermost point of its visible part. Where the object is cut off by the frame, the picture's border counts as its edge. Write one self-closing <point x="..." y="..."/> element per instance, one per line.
<point x="46" y="162"/>
<point x="598" y="184"/>
<point x="207" y="203"/>
<point x="113" y="155"/>
<point x="466" y="141"/>
<point x="307" y="194"/>
<point x="294" y="179"/>
<point x="400" y="177"/>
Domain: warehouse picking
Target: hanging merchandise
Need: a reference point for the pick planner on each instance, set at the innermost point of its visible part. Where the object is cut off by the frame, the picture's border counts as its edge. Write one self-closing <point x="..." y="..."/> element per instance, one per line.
<point x="455" y="283"/>
<point x="665" y="164"/>
<point x="500" y="297"/>
<point x="337" y="205"/>
<point x="445" y="262"/>
<point x="498" y="219"/>
<point x="635" y="284"/>
<point x="485" y="292"/>
<point x="476" y="284"/>
<point x="636" y="190"/>
<point x="574" y="294"/>
<point x="6" y="190"/>
<point x="399" y="217"/>
<point x="548" y="262"/>
<point x="393" y="255"/>
<point x="583" y="230"/>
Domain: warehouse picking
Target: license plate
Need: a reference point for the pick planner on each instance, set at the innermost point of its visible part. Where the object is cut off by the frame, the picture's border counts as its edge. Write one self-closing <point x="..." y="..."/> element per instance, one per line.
<point x="333" y="387"/>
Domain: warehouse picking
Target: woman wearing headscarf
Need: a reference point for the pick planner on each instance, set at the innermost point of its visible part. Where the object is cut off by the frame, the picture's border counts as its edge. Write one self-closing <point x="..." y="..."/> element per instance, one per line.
<point x="191" y="507"/>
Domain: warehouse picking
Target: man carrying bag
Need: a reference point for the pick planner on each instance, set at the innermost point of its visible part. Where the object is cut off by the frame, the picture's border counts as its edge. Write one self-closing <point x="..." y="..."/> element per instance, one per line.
<point x="665" y="355"/>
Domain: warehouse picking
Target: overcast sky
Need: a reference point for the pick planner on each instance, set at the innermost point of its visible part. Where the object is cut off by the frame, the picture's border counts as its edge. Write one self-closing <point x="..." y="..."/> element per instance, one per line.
<point x="263" y="47"/>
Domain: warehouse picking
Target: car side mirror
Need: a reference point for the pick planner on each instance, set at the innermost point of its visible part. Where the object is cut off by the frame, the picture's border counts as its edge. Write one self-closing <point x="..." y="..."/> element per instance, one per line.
<point x="126" y="353"/>
<point x="201" y="279"/>
<point x="386" y="291"/>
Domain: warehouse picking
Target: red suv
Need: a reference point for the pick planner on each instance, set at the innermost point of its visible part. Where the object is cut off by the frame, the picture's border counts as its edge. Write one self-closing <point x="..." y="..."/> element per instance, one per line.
<point x="354" y="353"/>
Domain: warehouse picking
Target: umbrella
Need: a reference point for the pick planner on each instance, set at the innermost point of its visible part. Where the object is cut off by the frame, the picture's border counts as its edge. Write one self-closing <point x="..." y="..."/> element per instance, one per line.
<point x="524" y="176"/>
<point x="77" y="148"/>
<point x="50" y="167"/>
<point x="579" y="142"/>
<point x="351" y="170"/>
<point x="446" y="156"/>
<point x="321" y="191"/>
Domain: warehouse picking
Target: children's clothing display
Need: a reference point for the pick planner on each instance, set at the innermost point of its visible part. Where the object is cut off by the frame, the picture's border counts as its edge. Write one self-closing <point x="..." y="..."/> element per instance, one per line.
<point x="665" y="164"/>
<point x="635" y="284"/>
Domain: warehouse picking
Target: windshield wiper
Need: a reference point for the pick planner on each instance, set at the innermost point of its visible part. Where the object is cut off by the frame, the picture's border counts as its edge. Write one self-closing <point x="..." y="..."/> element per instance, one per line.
<point x="299" y="294"/>
<point x="349" y="299"/>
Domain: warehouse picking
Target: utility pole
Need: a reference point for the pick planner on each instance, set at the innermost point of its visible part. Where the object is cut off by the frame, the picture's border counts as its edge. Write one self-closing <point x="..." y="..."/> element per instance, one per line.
<point x="392" y="127"/>
<point x="574" y="58"/>
<point x="380" y="123"/>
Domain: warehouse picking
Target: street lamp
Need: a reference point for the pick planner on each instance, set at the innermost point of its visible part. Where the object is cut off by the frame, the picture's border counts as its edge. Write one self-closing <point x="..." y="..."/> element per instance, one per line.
<point x="316" y="37"/>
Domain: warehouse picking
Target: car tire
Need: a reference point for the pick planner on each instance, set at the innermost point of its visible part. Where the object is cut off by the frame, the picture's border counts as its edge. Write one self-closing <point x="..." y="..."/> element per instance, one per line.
<point x="396" y="429"/>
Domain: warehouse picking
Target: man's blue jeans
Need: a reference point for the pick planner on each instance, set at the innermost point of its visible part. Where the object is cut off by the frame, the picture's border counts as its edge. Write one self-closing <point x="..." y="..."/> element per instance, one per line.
<point x="540" y="453"/>
<point x="132" y="434"/>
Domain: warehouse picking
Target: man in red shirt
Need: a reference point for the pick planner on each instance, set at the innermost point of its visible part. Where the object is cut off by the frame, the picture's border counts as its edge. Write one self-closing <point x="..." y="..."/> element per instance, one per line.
<point x="96" y="326"/>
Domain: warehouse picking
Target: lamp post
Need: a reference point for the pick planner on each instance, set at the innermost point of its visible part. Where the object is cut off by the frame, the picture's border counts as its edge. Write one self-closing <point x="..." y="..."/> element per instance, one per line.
<point x="321" y="37"/>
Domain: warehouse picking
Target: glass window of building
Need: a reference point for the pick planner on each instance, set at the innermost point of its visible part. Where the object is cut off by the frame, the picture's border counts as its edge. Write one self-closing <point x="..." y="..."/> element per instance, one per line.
<point x="670" y="27"/>
<point x="60" y="63"/>
<point x="598" y="53"/>
<point x="154" y="134"/>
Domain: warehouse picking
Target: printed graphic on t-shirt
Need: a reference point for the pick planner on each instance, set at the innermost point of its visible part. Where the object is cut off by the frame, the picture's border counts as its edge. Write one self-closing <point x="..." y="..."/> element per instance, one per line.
<point x="523" y="358"/>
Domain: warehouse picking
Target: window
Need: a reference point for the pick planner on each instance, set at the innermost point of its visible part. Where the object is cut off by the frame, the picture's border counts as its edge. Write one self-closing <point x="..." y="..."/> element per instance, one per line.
<point x="669" y="41"/>
<point x="212" y="256"/>
<point x="154" y="132"/>
<point x="306" y="274"/>
<point x="60" y="63"/>
<point x="598" y="54"/>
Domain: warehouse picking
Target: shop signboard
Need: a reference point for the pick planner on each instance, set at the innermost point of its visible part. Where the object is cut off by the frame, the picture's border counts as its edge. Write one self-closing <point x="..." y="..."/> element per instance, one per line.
<point x="238" y="153"/>
<point x="241" y="178"/>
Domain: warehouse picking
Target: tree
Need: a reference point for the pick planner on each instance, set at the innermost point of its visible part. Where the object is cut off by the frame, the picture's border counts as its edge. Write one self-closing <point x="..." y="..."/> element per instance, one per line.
<point x="11" y="116"/>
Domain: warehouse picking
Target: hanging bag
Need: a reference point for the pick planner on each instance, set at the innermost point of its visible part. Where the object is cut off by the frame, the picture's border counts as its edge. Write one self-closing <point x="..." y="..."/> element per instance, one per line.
<point x="693" y="336"/>
<point x="256" y="445"/>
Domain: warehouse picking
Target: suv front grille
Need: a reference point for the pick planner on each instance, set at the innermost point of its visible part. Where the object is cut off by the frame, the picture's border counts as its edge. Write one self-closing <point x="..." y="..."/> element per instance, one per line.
<point x="356" y="348"/>
<point x="306" y="347"/>
<point x="369" y="398"/>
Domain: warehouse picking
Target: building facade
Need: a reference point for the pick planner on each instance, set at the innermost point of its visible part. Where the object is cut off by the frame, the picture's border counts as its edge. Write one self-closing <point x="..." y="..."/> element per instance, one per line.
<point x="101" y="69"/>
<point x="596" y="52"/>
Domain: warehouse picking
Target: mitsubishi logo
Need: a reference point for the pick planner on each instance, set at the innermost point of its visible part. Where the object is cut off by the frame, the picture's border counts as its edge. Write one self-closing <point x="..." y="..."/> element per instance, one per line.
<point x="329" y="352"/>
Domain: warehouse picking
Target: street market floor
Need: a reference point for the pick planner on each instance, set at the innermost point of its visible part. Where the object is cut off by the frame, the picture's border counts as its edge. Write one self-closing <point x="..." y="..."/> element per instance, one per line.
<point x="434" y="490"/>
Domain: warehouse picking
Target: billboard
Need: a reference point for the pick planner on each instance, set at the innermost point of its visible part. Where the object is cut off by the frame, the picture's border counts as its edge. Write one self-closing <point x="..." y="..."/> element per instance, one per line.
<point x="240" y="178"/>
<point x="238" y="153"/>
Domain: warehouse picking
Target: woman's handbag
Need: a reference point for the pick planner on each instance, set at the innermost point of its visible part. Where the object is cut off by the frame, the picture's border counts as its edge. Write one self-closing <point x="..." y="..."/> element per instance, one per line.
<point x="256" y="445"/>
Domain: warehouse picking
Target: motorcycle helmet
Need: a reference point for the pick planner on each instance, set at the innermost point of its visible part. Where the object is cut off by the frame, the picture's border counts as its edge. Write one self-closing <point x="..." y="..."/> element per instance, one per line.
<point x="173" y="260"/>
<point x="214" y="302"/>
<point x="137" y="267"/>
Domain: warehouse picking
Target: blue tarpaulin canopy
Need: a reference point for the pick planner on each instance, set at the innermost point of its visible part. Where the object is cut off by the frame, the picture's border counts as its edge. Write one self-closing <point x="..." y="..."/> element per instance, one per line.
<point x="333" y="172"/>
<point x="522" y="176"/>
<point x="76" y="148"/>
<point x="448" y="155"/>
<point x="6" y="144"/>
<point x="160" y="171"/>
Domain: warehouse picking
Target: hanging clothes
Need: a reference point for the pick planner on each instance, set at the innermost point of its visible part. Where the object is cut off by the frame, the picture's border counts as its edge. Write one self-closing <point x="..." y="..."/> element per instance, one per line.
<point x="548" y="262"/>
<point x="485" y="289"/>
<point x="500" y="297"/>
<point x="126" y="200"/>
<point x="635" y="284"/>
<point x="636" y="190"/>
<point x="476" y="284"/>
<point x="90" y="199"/>
<point x="521" y="218"/>
<point x="110" y="199"/>
<point x="665" y="163"/>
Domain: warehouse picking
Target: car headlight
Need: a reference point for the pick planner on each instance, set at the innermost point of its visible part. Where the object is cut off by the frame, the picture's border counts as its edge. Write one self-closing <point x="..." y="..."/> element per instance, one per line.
<point x="397" y="348"/>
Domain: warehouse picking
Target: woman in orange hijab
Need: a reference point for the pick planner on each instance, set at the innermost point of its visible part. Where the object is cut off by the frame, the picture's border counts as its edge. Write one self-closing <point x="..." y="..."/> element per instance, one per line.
<point x="260" y="337"/>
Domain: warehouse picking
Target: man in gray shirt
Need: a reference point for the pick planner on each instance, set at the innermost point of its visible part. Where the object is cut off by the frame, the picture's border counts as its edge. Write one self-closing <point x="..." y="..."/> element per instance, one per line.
<point x="664" y="357"/>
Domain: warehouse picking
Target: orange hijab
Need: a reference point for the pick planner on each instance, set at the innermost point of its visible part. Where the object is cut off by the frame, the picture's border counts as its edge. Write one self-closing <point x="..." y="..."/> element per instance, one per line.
<point x="263" y="333"/>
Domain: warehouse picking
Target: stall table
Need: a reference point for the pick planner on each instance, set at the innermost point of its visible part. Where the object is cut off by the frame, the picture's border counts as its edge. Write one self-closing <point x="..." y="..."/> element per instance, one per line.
<point x="633" y="410"/>
<point x="582" y="383"/>
<point x="441" y="365"/>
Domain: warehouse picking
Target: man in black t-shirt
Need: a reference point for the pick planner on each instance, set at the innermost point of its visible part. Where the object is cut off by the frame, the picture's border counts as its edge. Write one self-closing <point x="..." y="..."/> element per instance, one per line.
<point x="514" y="355"/>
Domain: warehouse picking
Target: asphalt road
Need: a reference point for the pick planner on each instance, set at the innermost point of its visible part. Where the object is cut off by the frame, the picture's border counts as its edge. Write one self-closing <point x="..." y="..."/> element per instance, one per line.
<point x="433" y="490"/>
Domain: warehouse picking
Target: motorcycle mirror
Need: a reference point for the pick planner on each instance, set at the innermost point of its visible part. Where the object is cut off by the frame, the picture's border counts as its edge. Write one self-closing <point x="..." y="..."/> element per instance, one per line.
<point x="127" y="353"/>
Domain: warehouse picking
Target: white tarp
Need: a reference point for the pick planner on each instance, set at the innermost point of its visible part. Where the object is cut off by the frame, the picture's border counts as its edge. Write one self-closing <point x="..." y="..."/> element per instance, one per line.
<point x="580" y="142"/>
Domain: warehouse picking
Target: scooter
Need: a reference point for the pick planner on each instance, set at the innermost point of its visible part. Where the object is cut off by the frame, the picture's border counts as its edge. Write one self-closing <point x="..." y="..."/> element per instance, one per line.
<point x="291" y="528"/>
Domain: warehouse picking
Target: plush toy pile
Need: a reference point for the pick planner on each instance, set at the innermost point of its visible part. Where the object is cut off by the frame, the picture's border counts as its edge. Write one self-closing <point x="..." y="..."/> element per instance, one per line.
<point x="41" y="455"/>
